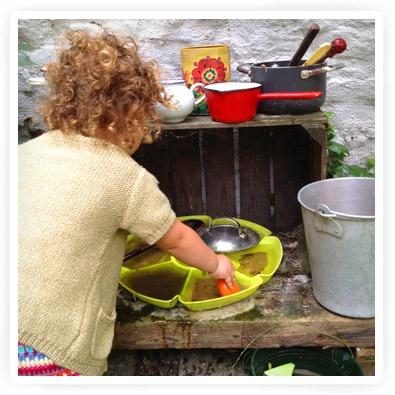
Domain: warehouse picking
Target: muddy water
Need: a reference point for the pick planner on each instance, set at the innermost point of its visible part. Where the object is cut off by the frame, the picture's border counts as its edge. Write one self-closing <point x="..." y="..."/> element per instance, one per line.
<point x="162" y="284"/>
<point x="253" y="264"/>
<point x="205" y="288"/>
<point x="146" y="258"/>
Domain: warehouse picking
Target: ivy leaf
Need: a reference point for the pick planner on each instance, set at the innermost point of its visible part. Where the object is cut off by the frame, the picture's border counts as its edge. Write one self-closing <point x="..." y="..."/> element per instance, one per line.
<point x="24" y="60"/>
<point x="337" y="149"/>
<point x="370" y="163"/>
<point x="335" y="154"/>
<point x="355" y="171"/>
<point x="371" y="172"/>
<point x="23" y="46"/>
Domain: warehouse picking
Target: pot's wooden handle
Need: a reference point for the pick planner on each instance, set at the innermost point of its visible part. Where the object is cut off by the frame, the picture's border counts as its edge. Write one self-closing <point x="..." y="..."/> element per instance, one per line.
<point x="242" y="69"/>
<point x="304" y="45"/>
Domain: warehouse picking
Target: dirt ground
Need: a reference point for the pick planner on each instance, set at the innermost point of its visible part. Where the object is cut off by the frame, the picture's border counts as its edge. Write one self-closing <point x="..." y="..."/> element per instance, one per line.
<point x="197" y="362"/>
<point x="173" y="362"/>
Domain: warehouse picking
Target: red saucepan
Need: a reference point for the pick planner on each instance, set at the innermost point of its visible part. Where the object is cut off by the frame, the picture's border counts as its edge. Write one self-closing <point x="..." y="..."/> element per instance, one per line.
<point x="237" y="101"/>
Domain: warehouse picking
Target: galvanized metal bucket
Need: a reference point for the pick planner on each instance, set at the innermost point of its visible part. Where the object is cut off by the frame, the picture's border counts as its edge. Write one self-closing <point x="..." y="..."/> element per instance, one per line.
<point x="339" y="219"/>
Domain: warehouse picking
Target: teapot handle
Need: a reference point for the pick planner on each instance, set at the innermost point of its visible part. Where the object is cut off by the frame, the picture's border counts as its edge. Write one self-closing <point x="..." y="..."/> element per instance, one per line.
<point x="194" y="86"/>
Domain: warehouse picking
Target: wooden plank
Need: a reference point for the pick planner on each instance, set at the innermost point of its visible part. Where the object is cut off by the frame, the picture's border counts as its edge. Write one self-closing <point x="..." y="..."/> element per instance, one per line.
<point x="317" y="153"/>
<point x="187" y="335"/>
<point x="282" y="312"/>
<point x="254" y="165"/>
<point x="218" y="153"/>
<point x="291" y="161"/>
<point x="366" y="357"/>
<point x="185" y="173"/>
<point x="154" y="158"/>
<point x="260" y="120"/>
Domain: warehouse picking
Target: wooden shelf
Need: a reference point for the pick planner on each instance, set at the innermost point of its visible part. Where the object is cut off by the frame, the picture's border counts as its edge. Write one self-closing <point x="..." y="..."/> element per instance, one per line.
<point x="261" y="120"/>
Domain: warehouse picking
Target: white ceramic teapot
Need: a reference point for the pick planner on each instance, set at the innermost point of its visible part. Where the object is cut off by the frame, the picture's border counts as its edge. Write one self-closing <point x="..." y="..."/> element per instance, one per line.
<point x="182" y="98"/>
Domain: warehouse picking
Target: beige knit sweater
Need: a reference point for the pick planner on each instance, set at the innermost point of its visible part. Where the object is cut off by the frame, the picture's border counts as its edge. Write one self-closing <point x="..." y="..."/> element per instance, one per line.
<point x="78" y="199"/>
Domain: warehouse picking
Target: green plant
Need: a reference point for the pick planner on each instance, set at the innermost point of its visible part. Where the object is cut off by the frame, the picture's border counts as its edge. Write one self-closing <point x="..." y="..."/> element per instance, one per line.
<point x="23" y="58"/>
<point x="248" y="345"/>
<point x="336" y="153"/>
<point x="339" y="338"/>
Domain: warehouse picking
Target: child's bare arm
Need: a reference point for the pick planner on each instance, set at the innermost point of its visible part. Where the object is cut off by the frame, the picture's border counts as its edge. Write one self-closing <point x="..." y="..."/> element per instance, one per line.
<point x="185" y="244"/>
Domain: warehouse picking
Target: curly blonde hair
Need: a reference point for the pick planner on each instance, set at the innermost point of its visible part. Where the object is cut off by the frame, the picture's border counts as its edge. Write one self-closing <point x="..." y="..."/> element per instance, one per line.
<point x="101" y="87"/>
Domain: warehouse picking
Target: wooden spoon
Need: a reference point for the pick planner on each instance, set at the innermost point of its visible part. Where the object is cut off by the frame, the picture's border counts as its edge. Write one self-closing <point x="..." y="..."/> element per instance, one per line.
<point x="318" y="54"/>
<point x="338" y="45"/>
<point x="304" y="45"/>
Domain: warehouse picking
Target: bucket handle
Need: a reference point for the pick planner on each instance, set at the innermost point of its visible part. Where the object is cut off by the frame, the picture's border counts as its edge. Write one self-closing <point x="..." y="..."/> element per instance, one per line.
<point x="325" y="222"/>
<point x="324" y="211"/>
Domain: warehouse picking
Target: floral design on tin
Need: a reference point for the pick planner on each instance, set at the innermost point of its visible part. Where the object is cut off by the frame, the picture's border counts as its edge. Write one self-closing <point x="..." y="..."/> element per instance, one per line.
<point x="209" y="70"/>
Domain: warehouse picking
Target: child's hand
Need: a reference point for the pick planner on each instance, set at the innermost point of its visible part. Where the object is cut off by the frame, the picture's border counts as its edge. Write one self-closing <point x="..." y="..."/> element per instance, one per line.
<point x="225" y="270"/>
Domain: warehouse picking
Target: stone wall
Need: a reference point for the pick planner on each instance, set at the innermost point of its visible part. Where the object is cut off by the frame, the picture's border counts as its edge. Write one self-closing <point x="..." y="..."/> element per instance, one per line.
<point x="350" y="91"/>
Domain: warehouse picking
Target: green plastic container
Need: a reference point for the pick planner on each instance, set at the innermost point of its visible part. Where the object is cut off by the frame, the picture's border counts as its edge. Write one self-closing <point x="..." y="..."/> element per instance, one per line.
<point x="166" y="281"/>
<point x="308" y="361"/>
<point x="180" y="285"/>
<point x="247" y="284"/>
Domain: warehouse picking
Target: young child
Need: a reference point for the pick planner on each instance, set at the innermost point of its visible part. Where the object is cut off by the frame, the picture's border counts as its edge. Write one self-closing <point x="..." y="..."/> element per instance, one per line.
<point x="80" y="194"/>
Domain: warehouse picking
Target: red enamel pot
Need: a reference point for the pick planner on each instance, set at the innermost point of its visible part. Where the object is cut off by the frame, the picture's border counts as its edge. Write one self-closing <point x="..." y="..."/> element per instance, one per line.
<point x="238" y="101"/>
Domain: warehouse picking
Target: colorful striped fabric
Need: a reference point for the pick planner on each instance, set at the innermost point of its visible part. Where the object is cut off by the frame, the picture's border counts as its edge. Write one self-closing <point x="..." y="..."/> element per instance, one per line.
<point x="33" y="363"/>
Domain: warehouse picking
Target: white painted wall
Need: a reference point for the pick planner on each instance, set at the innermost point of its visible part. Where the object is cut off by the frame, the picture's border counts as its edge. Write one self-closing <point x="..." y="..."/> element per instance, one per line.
<point x="350" y="91"/>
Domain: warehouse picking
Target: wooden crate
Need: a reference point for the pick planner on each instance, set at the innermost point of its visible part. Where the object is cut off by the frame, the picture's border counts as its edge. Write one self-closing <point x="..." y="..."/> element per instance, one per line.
<point x="252" y="170"/>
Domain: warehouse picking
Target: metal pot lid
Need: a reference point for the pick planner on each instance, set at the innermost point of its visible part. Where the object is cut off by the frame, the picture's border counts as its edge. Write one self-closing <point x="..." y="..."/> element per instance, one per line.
<point x="228" y="237"/>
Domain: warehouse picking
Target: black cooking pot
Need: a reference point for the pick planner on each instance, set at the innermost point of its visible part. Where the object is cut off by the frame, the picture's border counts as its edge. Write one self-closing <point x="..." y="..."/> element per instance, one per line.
<point x="279" y="77"/>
